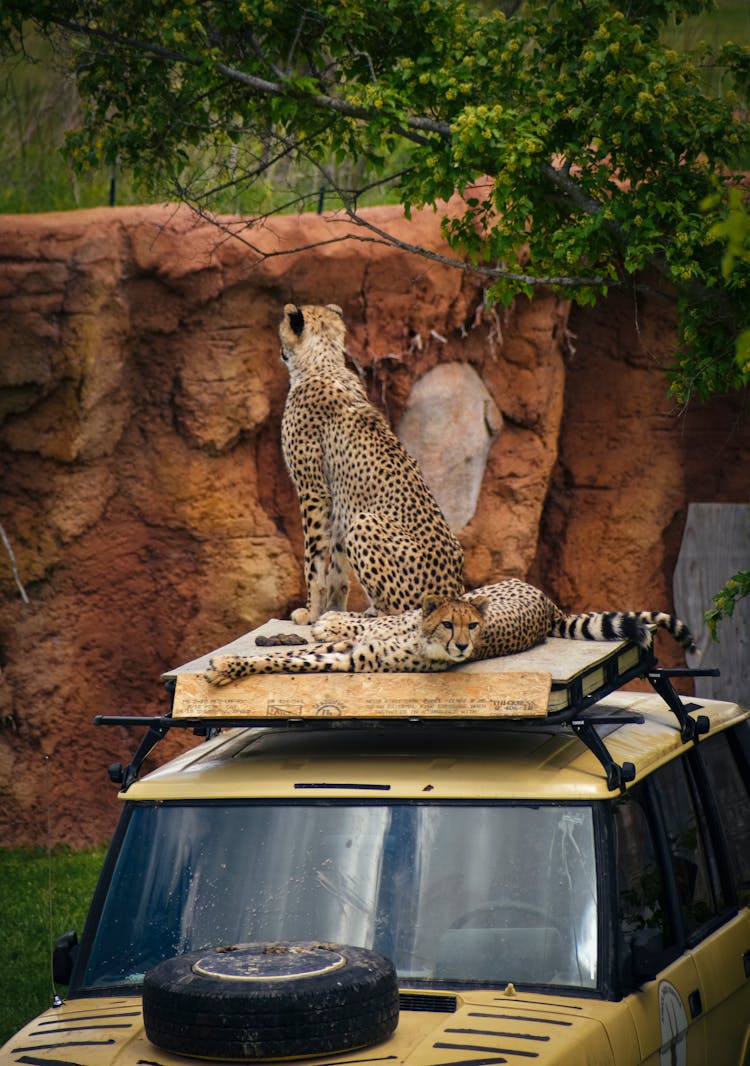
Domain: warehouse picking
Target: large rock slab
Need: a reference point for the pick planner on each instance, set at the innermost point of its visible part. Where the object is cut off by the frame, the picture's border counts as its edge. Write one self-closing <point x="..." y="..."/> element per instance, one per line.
<point x="448" y="426"/>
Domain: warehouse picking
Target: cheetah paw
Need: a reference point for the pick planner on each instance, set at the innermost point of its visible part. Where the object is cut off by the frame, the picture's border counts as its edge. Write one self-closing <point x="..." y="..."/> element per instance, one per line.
<point x="223" y="669"/>
<point x="301" y="617"/>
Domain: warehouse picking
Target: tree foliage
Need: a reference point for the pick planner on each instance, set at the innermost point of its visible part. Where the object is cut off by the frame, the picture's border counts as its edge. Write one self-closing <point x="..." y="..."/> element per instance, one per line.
<point x="588" y="153"/>
<point x="725" y="600"/>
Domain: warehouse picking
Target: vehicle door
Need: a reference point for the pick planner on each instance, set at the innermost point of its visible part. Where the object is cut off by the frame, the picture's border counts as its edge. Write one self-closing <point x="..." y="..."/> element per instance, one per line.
<point x="663" y="977"/>
<point x="723" y="957"/>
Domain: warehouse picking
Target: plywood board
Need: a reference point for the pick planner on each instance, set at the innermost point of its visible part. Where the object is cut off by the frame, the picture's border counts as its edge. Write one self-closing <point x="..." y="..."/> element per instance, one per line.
<point x="244" y="644"/>
<point x="562" y="658"/>
<point x="549" y="678"/>
<point x="370" y="695"/>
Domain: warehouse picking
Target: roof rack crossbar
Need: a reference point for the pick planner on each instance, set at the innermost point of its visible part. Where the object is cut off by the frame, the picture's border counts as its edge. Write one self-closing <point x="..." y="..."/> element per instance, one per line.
<point x="660" y="678"/>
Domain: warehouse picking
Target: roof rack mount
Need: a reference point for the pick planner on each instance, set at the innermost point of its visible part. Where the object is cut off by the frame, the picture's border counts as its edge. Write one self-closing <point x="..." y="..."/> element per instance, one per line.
<point x="660" y="678"/>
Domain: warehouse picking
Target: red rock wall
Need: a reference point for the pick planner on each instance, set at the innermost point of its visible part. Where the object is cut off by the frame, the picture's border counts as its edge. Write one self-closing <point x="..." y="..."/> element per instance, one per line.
<point x="630" y="460"/>
<point x="143" y="490"/>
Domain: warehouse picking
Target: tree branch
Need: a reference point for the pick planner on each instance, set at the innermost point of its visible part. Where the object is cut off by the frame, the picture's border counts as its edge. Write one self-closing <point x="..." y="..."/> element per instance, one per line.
<point x="261" y="85"/>
<point x="383" y="237"/>
<point x="497" y="273"/>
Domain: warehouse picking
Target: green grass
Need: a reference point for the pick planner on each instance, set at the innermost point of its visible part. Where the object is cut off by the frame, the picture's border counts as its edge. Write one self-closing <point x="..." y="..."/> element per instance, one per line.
<point x="41" y="895"/>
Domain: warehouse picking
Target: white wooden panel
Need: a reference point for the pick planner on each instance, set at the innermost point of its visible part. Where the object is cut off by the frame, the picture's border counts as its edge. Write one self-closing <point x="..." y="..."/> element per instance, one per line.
<point x="715" y="545"/>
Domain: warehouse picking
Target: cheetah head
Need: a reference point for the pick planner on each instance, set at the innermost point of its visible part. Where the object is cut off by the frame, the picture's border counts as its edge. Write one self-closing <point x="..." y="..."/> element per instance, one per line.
<point x="311" y="337"/>
<point x="452" y="627"/>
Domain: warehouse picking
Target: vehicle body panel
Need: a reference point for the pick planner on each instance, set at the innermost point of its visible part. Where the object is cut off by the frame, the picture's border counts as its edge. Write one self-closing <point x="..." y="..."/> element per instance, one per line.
<point x="491" y="1027"/>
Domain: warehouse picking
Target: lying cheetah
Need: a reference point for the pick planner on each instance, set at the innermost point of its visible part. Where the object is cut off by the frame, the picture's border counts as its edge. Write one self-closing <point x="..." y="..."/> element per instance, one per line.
<point x="493" y="620"/>
<point x="363" y="500"/>
<point x="442" y="633"/>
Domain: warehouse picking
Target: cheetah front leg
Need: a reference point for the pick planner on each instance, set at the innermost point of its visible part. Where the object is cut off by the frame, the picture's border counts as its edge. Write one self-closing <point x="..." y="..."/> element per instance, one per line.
<point x="337" y="577"/>
<point x="335" y="625"/>
<point x="315" y="658"/>
<point x="316" y="528"/>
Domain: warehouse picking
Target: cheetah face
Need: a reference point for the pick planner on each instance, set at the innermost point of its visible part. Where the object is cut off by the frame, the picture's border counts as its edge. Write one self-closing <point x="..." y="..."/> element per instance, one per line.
<point x="452" y="628"/>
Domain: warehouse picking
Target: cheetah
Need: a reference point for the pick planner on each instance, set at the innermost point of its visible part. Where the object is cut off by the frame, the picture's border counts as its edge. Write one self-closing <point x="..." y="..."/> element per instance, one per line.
<point x="363" y="500"/>
<point x="440" y="634"/>
<point x="490" y="621"/>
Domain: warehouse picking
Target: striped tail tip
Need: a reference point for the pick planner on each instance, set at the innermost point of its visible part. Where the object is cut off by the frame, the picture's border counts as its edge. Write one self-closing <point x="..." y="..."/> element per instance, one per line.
<point x="604" y="625"/>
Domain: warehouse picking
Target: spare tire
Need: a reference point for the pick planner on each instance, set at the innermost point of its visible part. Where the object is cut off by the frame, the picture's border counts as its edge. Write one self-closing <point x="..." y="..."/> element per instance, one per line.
<point x="270" y="1001"/>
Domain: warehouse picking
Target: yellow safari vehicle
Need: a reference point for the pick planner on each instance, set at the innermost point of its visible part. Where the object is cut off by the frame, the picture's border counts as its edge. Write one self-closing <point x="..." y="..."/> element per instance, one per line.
<point x="516" y="862"/>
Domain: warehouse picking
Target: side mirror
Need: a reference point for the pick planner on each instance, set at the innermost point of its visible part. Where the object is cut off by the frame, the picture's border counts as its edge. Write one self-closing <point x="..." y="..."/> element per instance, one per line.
<point x="64" y="957"/>
<point x="646" y="954"/>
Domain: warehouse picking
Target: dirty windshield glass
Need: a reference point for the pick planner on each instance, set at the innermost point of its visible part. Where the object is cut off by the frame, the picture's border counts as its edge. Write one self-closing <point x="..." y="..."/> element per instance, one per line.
<point x="455" y="894"/>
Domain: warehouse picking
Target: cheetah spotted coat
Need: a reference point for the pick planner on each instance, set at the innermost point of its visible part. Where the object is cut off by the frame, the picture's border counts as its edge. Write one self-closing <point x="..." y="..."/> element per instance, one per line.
<point x="363" y="500"/>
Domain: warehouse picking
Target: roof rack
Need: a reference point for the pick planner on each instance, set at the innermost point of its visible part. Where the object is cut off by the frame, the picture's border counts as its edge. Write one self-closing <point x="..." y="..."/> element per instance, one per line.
<point x="557" y="683"/>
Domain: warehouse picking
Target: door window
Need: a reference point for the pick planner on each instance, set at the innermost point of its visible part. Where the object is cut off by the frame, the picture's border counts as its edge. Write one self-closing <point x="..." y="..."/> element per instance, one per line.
<point x="641" y="895"/>
<point x="728" y="785"/>
<point x="643" y="912"/>
<point x="691" y="853"/>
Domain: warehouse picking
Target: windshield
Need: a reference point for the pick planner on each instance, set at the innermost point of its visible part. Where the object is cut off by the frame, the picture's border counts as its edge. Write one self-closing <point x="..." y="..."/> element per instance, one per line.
<point x="454" y="894"/>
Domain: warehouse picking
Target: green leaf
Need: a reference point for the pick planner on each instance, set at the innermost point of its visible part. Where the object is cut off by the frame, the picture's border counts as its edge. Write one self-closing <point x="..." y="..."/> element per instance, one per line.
<point x="725" y="600"/>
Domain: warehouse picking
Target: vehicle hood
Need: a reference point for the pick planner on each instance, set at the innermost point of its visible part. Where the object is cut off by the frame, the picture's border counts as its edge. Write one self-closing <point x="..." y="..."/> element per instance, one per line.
<point x="434" y="1029"/>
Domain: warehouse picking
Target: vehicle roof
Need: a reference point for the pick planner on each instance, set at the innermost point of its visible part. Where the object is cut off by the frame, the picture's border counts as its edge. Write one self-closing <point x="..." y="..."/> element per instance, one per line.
<point x="419" y="760"/>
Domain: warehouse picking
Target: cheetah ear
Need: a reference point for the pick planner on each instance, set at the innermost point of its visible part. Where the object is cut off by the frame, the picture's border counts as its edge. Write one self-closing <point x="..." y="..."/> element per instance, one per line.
<point x="296" y="319"/>
<point x="336" y="309"/>
<point x="480" y="602"/>
<point x="430" y="603"/>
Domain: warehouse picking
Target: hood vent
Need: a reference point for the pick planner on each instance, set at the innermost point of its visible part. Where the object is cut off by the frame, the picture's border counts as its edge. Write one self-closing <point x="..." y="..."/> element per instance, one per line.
<point x="418" y="1001"/>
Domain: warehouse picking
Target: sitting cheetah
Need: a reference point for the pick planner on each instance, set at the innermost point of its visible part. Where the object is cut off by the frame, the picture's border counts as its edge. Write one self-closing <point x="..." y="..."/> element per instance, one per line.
<point x="362" y="499"/>
<point x="493" y="620"/>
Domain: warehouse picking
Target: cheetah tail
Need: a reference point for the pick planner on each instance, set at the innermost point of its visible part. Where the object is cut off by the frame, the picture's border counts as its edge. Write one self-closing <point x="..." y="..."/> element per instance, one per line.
<point x="673" y="625"/>
<point x="621" y="625"/>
